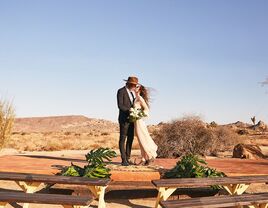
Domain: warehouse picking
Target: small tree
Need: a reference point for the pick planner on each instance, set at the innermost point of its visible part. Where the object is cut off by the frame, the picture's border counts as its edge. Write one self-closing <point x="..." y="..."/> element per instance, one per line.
<point x="7" y="117"/>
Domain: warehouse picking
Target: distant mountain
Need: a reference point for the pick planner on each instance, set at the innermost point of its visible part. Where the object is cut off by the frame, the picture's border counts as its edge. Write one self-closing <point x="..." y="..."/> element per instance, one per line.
<point x="74" y="123"/>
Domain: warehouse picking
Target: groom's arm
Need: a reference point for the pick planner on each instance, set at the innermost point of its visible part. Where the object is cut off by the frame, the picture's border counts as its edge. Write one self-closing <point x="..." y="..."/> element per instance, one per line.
<point x="120" y="101"/>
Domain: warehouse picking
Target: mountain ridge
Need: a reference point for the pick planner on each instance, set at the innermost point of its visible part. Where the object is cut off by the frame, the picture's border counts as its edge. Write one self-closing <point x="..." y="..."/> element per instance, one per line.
<point x="72" y="123"/>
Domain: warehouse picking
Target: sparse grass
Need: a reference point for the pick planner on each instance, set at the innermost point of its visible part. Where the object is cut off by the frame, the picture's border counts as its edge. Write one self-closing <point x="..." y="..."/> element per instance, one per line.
<point x="187" y="135"/>
<point x="56" y="141"/>
<point x="7" y="116"/>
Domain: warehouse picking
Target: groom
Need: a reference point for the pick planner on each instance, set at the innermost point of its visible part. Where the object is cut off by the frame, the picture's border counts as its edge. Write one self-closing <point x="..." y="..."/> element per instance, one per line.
<point x="125" y="100"/>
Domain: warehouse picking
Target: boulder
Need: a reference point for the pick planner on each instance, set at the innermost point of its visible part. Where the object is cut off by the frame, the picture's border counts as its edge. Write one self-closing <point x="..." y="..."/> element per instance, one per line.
<point x="247" y="151"/>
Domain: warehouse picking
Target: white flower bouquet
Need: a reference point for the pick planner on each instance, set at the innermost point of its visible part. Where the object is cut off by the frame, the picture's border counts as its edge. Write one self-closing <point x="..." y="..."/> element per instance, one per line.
<point x="136" y="114"/>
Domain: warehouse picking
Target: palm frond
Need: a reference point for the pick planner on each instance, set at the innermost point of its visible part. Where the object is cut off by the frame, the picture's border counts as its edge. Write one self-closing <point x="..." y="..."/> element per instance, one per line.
<point x="98" y="156"/>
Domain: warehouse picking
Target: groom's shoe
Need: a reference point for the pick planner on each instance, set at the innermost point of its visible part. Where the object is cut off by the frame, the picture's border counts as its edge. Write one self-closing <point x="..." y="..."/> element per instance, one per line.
<point x="124" y="163"/>
<point x="149" y="162"/>
<point x="130" y="162"/>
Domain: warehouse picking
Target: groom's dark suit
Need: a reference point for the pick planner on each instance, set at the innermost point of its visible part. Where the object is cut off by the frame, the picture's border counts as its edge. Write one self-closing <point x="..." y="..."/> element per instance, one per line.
<point x="126" y="127"/>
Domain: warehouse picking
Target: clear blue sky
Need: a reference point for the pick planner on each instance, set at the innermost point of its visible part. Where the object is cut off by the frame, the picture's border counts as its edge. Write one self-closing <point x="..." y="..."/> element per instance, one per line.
<point x="202" y="57"/>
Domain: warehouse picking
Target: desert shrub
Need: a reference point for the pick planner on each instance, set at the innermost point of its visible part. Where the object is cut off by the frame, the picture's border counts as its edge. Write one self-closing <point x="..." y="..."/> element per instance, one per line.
<point x="105" y="134"/>
<point x="213" y="124"/>
<point x="7" y="117"/>
<point x="191" y="135"/>
<point x="95" y="145"/>
<point x="47" y="133"/>
<point x="135" y="145"/>
<point x="242" y="131"/>
<point x="224" y="139"/>
<point x="67" y="133"/>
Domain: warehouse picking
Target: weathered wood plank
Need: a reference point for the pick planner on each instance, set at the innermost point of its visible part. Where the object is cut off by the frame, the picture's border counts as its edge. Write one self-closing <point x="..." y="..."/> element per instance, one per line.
<point x="201" y="182"/>
<point x="53" y="179"/>
<point x="21" y="197"/>
<point x="218" y="201"/>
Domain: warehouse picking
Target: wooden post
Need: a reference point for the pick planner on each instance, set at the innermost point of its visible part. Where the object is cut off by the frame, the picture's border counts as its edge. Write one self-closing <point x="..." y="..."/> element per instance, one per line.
<point x="28" y="187"/>
<point x="3" y="204"/>
<point x="258" y="206"/>
<point x="263" y="205"/>
<point x="99" y="192"/>
<point x="236" y="189"/>
<point x="163" y="194"/>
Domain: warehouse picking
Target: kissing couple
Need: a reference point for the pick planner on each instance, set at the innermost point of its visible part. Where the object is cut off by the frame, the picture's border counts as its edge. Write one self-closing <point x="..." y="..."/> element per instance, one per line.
<point x="133" y="98"/>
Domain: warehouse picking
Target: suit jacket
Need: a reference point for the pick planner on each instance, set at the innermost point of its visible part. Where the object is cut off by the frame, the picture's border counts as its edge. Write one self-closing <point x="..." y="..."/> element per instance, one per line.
<point x="124" y="104"/>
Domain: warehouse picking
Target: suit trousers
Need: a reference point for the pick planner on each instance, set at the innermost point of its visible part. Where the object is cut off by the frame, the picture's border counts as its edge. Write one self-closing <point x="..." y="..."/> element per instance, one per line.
<point x="126" y="131"/>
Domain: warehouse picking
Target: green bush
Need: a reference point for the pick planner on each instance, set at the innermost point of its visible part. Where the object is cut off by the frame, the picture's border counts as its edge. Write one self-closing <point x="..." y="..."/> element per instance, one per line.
<point x="191" y="166"/>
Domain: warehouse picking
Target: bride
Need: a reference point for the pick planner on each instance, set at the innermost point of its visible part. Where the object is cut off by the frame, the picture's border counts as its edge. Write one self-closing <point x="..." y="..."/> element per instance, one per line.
<point x="147" y="146"/>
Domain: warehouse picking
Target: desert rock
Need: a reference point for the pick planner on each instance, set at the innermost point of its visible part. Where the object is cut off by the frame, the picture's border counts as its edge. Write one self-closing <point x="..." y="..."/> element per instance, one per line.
<point x="247" y="151"/>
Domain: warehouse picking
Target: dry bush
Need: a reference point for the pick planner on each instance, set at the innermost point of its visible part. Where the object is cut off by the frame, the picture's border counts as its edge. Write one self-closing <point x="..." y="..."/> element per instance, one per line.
<point x="224" y="139"/>
<point x="7" y="117"/>
<point x="67" y="133"/>
<point x="105" y="134"/>
<point x="55" y="141"/>
<point x="191" y="135"/>
<point x="135" y="144"/>
<point x="90" y="134"/>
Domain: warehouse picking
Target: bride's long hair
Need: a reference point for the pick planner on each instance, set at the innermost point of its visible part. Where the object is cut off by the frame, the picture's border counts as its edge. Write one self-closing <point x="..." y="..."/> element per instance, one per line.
<point x="144" y="93"/>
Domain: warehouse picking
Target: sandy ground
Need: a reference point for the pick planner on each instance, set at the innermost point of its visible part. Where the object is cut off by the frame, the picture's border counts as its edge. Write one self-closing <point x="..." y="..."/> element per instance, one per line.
<point x="111" y="201"/>
<point x="116" y="197"/>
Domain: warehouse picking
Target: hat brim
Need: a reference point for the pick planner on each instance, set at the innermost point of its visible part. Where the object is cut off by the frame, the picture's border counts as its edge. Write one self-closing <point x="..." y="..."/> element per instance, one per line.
<point x="136" y="83"/>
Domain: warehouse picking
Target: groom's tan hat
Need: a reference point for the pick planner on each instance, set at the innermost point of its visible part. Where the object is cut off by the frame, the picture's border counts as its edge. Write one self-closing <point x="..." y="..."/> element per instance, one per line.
<point x="132" y="80"/>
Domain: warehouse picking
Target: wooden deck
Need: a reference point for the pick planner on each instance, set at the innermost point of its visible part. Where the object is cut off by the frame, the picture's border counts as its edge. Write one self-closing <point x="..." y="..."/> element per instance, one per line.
<point x="52" y="165"/>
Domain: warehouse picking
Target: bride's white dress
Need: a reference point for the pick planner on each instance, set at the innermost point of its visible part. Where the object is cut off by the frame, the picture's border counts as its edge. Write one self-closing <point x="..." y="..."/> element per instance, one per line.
<point x="147" y="146"/>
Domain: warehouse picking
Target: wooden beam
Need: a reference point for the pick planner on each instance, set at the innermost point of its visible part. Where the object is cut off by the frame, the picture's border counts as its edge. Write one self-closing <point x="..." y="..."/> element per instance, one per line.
<point x="236" y="189"/>
<point x="163" y="194"/>
<point x="3" y="204"/>
<point x="99" y="192"/>
<point x="28" y="187"/>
